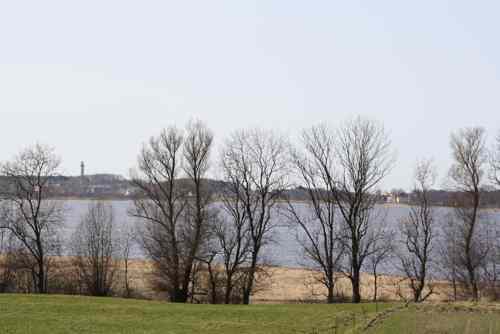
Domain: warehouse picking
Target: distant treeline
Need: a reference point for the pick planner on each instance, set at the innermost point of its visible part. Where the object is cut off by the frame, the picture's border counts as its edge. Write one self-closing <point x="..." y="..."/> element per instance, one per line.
<point x="113" y="186"/>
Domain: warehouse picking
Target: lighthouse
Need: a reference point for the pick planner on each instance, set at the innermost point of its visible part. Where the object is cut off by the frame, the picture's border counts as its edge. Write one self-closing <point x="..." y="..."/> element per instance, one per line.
<point x="82" y="169"/>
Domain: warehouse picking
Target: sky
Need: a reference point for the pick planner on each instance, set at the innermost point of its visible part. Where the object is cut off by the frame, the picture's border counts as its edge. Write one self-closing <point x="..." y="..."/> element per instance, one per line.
<point x="96" y="79"/>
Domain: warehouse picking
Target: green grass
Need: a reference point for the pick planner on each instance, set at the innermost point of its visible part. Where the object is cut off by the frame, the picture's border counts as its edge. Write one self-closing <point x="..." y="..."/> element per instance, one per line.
<point x="68" y="314"/>
<point x="441" y="319"/>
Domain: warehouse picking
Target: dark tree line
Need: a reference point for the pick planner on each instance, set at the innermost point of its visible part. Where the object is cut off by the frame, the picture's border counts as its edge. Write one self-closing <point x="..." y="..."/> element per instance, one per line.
<point x="209" y="246"/>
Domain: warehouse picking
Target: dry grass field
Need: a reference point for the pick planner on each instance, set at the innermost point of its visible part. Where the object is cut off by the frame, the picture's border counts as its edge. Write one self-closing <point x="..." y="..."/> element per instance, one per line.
<point x="278" y="285"/>
<point x="293" y="285"/>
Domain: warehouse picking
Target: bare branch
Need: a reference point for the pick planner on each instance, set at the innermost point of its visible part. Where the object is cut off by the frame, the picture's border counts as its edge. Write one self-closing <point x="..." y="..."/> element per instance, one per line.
<point x="255" y="165"/>
<point x="418" y="232"/>
<point x="27" y="212"/>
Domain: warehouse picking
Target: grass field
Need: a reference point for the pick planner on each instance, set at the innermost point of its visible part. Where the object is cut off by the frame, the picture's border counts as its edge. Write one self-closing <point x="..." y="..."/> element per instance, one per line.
<point x="68" y="314"/>
<point x="441" y="319"/>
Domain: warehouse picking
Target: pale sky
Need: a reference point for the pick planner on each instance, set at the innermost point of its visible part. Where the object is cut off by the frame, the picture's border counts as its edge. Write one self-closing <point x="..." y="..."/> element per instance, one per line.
<point x="95" y="79"/>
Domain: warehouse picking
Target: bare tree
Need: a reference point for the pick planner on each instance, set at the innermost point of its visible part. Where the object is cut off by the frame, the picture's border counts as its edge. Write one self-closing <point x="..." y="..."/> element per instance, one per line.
<point x="199" y="215"/>
<point x="495" y="161"/>
<point x="318" y="227"/>
<point x="418" y="233"/>
<point x="159" y="206"/>
<point x="174" y="211"/>
<point x="95" y="249"/>
<point x="466" y="175"/>
<point x="232" y="237"/>
<point x="364" y="158"/>
<point x="28" y="214"/>
<point x="257" y="161"/>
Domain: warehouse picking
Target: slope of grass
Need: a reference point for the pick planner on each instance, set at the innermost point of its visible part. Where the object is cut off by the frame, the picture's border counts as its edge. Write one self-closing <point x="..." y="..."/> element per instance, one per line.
<point x="69" y="314"/>
<point x="441" y="319"/>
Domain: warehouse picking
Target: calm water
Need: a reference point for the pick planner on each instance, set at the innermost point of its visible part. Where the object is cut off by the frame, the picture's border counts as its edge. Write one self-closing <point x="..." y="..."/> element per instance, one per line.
<point x="283" y="250"/>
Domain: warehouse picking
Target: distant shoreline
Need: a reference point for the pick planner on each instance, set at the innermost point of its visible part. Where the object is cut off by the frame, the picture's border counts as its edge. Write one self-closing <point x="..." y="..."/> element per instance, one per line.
<point x="123" y="199"/>
<point x="84" y="198"/>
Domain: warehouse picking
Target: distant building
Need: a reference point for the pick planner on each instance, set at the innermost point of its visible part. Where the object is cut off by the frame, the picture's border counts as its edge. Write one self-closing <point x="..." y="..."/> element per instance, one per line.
<point x="82" y="169"/>
<point x="388" y="197"/>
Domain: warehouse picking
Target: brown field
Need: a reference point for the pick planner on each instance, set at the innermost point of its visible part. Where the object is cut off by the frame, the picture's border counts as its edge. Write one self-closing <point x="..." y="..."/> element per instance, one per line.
<point x="277" y="285"/>
<point x="295" y="285"/>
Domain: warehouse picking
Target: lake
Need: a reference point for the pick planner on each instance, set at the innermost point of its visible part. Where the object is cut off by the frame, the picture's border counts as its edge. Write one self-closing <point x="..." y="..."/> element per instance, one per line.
<point x="284" y="250"/>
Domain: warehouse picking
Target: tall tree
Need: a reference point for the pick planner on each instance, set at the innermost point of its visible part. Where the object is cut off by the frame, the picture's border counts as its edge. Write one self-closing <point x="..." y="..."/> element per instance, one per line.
<point x="173" y="203"/>
<point x="418" y="232"/>
<point x="159" y="205"/>
<point x="364" y="158"/>
<point x="466" y="175"/>
<point x="257" y="161"/>
<point x="199" y="215"/>
<point x="319" y="227"/>
<point x="29" y="214"/>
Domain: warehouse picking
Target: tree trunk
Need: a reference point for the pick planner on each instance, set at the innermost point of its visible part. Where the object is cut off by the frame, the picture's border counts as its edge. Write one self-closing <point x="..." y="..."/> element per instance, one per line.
<point x="356" y="295"/>
<point x="330" y="286"/>
<point x="179" y="296"/>
<point x="213" y="284"/>
<point x="41" y="279"/>
<point x="214" y="299"/>
<point x="475" y="291"/>
<point x="472" y="275"/>
<point x="470" y="266"/>
<point x="189" y="277"/>
<point x="454" y="282"/>
<point x="229" y="288"/>
<point x="331" y="296"/>
<point x="246" y="297"/>
<point x="375" y="285"/>
<point x="247" y="291"/>
<point x="417" y="293"/>
<point x="250" y="280"/>
<point x="127" y="284"/>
